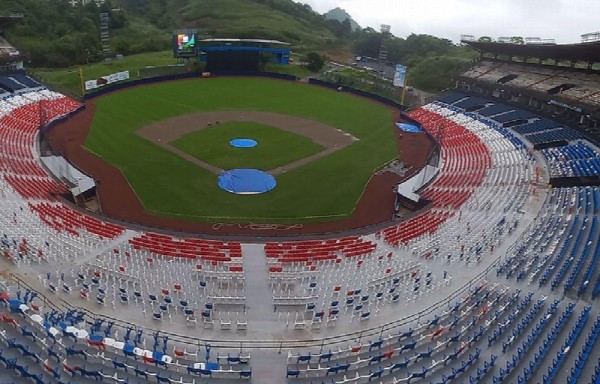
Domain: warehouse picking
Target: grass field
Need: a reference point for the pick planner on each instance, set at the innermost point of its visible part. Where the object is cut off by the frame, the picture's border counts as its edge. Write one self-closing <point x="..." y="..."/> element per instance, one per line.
<point x="325" y="189"/>
<point x="275" y="147"/>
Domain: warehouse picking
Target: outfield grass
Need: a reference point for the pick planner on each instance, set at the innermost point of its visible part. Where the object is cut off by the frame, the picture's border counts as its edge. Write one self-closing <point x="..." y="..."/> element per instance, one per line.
<point x="275" y="147"/>
<point x="167" y="184"/>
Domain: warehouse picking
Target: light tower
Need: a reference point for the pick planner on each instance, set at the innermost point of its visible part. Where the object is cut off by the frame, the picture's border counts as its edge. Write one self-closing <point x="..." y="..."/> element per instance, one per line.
<point x="105" y="35"/>
<point x="385" y="34"/>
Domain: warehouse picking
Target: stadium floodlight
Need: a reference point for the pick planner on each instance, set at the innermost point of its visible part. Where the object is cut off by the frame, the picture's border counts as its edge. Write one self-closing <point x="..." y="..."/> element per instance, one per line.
<point x="385" y="28"/>
<point x="590" y="37"/>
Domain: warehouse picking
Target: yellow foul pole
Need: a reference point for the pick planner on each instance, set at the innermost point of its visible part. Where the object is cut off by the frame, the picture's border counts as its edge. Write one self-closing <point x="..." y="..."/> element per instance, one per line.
<point x="81" y="80"/>
<point x="404" y="88"/>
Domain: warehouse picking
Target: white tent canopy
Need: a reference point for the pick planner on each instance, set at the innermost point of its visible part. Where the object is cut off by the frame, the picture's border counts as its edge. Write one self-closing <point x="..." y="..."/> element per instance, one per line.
<point x="63" y="170"/>
<point x="409" y="187"/>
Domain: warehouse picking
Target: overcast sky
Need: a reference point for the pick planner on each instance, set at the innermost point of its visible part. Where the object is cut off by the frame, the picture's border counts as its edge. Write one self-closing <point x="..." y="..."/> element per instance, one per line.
<point x="563" y="20"/>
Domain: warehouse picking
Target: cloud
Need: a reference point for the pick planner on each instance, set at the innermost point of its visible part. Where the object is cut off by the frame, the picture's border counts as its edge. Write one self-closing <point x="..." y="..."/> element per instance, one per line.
<point x="563" y="20"/>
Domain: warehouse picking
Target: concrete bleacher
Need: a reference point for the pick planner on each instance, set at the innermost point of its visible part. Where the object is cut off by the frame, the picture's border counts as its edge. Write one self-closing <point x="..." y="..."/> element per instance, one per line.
<point x="481" y="69"/>
<point x="540" y="78"/>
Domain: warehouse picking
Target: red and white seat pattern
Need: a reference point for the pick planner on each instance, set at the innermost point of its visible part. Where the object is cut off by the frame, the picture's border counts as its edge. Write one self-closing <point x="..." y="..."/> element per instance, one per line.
<point x="483" y="182"/>
<point x="314" y="250"/>
<point x="191" y="248"/>
<point x="59" y="231"/>
<point x="466" y="160"/>
<point x="73" y="222"/>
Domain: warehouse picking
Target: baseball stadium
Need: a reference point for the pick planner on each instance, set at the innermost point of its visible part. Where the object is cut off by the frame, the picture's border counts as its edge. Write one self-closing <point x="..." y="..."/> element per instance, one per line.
<point x="239" y="225"/>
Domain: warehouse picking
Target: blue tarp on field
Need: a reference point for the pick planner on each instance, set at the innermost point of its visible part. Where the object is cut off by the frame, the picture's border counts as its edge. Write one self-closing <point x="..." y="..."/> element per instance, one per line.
<point x="406" y="127"/>
<point x="243" y="143"/>
<point x="245" y="181"/>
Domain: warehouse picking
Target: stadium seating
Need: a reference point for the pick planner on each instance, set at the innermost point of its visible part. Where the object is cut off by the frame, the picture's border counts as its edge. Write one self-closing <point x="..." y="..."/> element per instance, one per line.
<point x="440" y="344"/>
<point x="539" y="78"/>
<point x="573" y="160"/>
<point x="494" y="109"/>
<point x="502" y="163"/>
<point x="562" y="248"/>
<point x="513" y="115"/>
<point x="27" y="81"/>
<point x="53" y="346"/>
<point x="10" y="84"/>
<point x="536" y="130"/>
<point x="116" y="304"/>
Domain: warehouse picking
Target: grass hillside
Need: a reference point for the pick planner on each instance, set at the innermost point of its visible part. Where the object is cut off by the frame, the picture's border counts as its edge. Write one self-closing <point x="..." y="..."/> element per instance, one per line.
<point x="68" y="79"/>
<point x="55" y="34"/>
<point x="268" y="19"/>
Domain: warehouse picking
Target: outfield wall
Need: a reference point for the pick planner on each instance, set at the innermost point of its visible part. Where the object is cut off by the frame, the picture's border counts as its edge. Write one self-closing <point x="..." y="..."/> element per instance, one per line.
<point x="159" y="79"/>
<point x="357" y="92"/>
<point x="272" y="75"/>
<point x="127" y="84"/>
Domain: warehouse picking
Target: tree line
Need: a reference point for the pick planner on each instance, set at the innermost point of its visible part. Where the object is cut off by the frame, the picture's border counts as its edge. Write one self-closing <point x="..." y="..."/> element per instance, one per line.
<point x="54" y="33"/>
<point x="431" y="61"/>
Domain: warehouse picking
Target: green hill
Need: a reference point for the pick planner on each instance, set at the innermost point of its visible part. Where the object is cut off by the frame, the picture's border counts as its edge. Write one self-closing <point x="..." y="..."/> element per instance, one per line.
<point x="268" y="19"/>
<point x="56" y="34"/>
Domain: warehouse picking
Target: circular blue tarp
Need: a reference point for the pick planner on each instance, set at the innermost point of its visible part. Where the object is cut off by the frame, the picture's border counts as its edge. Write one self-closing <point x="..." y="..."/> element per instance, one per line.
<point x="246" y="181"/>
<point x="243" y="143"/>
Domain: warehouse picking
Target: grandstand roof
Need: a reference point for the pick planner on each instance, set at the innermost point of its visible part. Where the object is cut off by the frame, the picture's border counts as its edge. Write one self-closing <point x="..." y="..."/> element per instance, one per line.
<point x="589" y="52"/>
<point x="12" y="18"/>
<point x="259" y="41"/>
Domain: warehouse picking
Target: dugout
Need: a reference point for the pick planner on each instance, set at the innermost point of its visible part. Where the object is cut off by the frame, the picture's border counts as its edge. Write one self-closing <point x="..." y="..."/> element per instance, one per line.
<point x="241" y="54"/>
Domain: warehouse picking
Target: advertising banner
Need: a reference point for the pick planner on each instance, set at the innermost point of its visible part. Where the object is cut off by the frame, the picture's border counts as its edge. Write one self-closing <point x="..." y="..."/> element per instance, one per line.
<point x="400" y="76"/>
<point x="104" y="80"/>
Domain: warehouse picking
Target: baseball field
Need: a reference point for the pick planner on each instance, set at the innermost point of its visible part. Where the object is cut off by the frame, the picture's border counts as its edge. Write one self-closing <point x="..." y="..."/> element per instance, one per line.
<point x="171" y="141"/>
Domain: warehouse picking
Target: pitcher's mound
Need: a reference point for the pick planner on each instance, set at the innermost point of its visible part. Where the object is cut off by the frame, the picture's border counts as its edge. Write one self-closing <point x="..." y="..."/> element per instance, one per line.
<point x="245" y="181"/>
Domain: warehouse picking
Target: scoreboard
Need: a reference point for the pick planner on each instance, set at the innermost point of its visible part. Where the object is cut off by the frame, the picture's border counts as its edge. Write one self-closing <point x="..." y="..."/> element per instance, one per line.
<point x="185" y="43"/>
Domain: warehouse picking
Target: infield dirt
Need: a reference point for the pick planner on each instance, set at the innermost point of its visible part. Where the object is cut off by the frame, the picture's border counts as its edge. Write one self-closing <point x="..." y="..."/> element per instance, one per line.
<point x="166" y="131"/>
